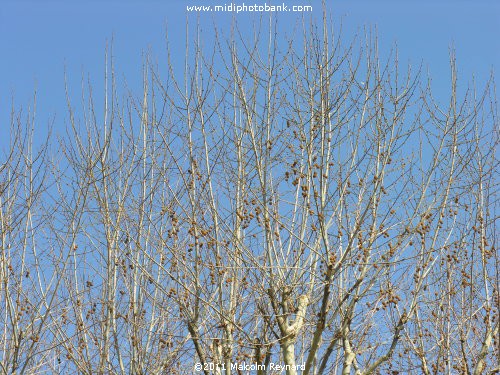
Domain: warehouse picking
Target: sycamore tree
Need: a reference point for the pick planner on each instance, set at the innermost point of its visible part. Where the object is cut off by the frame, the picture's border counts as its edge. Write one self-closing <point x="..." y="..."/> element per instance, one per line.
<point x="301" y="202"/>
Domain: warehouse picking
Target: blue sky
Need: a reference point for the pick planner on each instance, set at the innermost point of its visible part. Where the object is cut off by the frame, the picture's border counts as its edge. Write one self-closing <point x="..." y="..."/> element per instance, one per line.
<point x="41" y="39"/>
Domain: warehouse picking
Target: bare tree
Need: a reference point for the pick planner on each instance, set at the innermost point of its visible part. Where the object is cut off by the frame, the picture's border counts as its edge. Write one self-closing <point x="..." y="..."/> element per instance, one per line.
<point x="25" y="290"/>
<point x="304" y="204"/>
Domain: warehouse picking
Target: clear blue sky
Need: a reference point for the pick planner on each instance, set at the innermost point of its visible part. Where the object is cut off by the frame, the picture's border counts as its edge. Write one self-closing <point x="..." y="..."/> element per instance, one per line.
<point x="38" y="39"/>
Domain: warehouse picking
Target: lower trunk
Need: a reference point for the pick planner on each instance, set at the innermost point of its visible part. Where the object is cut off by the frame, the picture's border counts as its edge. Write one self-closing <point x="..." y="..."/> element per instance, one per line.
<point x="288" y="348"/>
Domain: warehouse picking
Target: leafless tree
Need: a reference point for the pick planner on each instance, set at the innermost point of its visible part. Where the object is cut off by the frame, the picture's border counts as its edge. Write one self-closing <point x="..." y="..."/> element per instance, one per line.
<point x="298" y="202"/>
